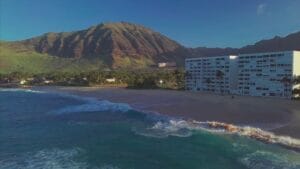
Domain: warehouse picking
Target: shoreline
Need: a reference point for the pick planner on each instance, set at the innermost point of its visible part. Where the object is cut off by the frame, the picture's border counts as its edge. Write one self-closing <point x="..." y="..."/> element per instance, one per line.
<point x="263" y="131"/>
<point x="279" y="116"/>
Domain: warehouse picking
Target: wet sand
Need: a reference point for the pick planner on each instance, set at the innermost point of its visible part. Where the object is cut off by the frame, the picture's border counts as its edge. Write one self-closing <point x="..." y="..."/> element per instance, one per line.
<point x="276" y="115"/>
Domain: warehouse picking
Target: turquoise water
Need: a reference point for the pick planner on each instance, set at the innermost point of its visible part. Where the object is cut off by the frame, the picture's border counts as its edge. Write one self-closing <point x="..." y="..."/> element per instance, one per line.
<point x="50" y="130"/>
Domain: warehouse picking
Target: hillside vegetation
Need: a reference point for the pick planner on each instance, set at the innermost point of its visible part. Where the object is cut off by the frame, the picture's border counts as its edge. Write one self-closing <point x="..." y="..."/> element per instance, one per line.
<point x="18" y="58"/>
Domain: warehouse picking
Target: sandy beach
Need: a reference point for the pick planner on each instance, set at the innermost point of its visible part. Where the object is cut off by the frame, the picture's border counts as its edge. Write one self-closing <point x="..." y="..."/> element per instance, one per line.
<point x="279" y="116"/>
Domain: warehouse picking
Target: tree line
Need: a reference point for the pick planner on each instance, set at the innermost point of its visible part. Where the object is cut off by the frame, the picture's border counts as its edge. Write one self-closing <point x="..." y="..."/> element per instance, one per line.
<point x="143" y="79"/>
<point x="167" y="79"/>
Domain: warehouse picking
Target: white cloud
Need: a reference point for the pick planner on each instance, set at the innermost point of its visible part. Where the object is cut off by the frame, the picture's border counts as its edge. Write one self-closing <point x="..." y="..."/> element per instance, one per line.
<point x="261" y="8"/>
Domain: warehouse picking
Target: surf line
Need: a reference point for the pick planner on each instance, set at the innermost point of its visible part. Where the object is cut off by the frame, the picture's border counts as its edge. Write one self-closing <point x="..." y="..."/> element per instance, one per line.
<point x="251" y="132"/>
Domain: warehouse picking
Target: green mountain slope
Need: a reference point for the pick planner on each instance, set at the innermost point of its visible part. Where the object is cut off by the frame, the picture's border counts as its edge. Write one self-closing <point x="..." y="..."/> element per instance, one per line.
<point x="17" y="57"/>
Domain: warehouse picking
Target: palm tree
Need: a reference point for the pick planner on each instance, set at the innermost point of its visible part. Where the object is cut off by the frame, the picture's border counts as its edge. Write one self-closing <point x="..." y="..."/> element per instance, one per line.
<point x="296" y="90"/>
<point x="296" y="80"/>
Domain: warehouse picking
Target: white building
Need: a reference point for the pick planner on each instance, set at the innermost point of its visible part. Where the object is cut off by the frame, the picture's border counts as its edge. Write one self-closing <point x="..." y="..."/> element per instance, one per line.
<point x="166" y="64"/>
<point x="209" y="74"/>
<point x="259" y="74"/>
<point x="110" y="80"/>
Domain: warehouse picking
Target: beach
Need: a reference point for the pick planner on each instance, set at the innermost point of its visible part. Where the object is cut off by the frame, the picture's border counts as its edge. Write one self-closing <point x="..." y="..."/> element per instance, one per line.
<point x="276" y="115"/>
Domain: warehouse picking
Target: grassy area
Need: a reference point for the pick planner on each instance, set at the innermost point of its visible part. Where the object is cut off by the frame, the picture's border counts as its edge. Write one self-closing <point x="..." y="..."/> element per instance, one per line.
<point x="20" y="58"/>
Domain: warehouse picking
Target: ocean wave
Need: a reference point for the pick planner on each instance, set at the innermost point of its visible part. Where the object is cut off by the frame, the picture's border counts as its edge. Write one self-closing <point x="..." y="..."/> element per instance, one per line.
<point x="19" y="90"/>
<point x="184" y="128"/>
<point x="166" y="126"/>
<point x="163" y="129"/>
<point x="89" y="104"/>
<point x="93" y="106"/>
<point x="265" y="160"/>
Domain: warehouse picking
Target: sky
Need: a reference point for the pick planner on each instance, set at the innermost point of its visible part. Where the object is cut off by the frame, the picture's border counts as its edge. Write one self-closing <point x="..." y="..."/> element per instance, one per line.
<point x="193" y="23"/>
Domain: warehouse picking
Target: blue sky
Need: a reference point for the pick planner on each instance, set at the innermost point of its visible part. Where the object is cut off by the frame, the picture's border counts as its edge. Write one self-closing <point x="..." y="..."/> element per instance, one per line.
<point x="193" y="23"/>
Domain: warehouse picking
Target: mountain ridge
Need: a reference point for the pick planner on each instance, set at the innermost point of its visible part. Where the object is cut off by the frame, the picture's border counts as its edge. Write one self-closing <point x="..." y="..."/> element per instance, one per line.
<point x="128" y="45"/>
<point x="112" y="42"/>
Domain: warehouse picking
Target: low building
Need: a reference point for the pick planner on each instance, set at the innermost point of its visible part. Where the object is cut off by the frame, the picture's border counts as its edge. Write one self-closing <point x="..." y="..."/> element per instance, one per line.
<point x="48" y="81"/>
<point x="111" y="80"/>
<point x="257" y="74"/>
<point x="166" y="65"/>
<point x="23" y="82"/>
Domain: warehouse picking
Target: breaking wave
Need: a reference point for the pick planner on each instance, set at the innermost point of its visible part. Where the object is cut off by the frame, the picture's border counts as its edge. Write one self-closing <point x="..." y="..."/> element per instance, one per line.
<point x="183" y="128"/>
<point x="164" y="129"/>
<point x="19" y="90"/>
<point x="91" y="105"/>
<point x="165" y="126"/>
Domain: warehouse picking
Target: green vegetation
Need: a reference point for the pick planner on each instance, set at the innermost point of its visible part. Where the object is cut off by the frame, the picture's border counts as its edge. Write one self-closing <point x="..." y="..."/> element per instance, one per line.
<point x="18" y="58"/>
<point x="128" y="62"/>
<point x="166" y="79"/>
<point x="20" y="63"/>
<point x="296" y="91"/>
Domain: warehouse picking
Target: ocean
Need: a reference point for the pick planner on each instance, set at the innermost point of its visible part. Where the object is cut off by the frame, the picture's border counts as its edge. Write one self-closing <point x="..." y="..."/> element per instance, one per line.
<point x="40" y="130"/>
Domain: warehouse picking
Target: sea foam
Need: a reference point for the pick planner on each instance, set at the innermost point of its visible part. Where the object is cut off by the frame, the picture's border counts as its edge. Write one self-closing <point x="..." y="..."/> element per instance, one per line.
<point x="93" y="106"/>
<point x="19" y="90"/>
<point x="183" y="128"/>
<point x="166" y="126"/>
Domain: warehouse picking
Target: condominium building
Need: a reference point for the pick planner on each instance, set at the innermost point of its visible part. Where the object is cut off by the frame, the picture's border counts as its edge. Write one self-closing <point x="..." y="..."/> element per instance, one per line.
<point x="258" y="74"/>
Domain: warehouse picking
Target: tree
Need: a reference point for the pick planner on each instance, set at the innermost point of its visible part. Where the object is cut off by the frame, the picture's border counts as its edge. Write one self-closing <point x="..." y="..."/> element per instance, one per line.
<point x="296" y="80"/>
<point x="180" y="77"/>
<point x="296" y="90"/>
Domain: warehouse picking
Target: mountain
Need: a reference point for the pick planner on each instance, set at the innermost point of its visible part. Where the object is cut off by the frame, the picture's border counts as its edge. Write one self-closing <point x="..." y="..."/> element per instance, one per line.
<point x="116" y="44"/>
<point x="290" y="42"/>
<point x="207" y="52"/>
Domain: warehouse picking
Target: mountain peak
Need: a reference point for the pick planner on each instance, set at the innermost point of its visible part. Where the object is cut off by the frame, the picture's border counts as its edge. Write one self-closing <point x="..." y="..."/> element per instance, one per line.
<point x="119" y="25"/>
<point x="117" y="44"/>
